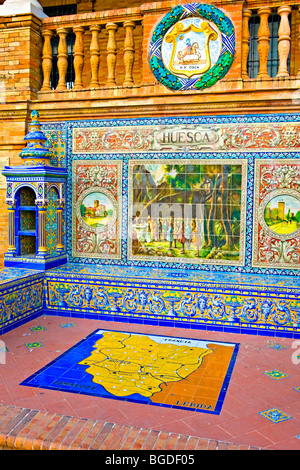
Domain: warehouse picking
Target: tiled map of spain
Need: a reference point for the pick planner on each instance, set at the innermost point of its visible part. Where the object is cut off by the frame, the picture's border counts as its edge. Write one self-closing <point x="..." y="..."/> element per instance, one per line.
<point x="126" y="363"/>
<point x="150" y="369"/>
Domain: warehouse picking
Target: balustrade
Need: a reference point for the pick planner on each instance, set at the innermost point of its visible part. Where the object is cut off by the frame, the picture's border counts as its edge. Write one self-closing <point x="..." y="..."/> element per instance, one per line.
<point x="263" y="41"/>
<point x="105" y="52"/>
<point x="86" y="60"/>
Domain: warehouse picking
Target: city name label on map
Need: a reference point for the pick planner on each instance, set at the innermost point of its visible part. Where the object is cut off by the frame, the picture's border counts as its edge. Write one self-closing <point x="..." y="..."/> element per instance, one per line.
<point x="191" y="404"/>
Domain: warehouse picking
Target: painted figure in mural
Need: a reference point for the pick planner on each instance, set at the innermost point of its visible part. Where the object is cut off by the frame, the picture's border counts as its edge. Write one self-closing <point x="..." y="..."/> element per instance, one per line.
<point x="170" y="235"/>
<point x="197" y="235"/>
<point x="188" y="233"/>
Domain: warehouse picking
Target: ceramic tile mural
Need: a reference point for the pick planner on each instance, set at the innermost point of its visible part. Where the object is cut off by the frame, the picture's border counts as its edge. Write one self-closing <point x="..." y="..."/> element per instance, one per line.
<point x="187" y="135"/>
<point x="246" y="139"/>
<point x="97" y="209"/>
<point x="188" y="210"/>
<point x="148" y="369"/>
<point x="276" y="231"/>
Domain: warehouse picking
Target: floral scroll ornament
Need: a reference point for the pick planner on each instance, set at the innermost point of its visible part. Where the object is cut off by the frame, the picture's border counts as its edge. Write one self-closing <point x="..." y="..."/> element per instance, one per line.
<point x="192" y="47"/>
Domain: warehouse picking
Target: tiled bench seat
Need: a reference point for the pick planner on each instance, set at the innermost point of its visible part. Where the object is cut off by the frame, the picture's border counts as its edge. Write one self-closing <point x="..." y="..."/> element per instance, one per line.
<point x="244" y="303"/>
<point x="21" y="296"/>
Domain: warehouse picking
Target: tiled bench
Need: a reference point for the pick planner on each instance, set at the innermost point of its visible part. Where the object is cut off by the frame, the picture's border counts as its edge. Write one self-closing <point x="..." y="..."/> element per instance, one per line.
<point x="240" y="303"/>
<point x="21" y="296"/>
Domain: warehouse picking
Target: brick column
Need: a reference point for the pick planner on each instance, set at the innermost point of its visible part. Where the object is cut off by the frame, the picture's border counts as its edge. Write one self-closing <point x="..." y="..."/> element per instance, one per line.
<point x="20" y="60"/>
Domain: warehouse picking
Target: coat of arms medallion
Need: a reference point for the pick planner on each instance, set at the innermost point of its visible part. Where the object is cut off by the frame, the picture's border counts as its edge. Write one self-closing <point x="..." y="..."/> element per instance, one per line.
<point x="192" y="47"/>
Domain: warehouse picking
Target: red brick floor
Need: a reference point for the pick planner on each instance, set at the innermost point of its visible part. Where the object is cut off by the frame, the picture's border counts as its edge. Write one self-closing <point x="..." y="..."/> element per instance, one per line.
<point x="33" y="418"/>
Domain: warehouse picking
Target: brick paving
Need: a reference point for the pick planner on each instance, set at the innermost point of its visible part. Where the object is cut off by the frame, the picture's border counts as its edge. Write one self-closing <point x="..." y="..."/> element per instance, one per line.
<point x="40" y="419"/>
<point x="21" y="430"/>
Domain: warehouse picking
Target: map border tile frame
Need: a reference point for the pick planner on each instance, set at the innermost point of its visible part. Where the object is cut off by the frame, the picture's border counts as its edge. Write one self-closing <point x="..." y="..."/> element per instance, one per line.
<point x="219" y="402"/>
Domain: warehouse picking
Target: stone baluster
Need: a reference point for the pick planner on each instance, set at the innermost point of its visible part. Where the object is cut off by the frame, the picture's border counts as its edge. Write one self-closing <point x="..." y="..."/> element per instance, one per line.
<point x="111" y="53"/>
<point x="128" y="52"/>
<point x="47" y="59"/>
<point x="263" y="40"/>
<point x="78" y="56"/>
<point x="62" y="58"/>
<point x="245" y="41"/>
<point x="284" y="40"/>
<point x="94" y="55"/>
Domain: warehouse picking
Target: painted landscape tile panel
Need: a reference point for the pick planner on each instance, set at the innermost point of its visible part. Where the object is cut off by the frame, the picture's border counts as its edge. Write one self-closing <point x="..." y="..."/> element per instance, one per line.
<point x="276" y="230"/>
<point x="187" y="211"/>
<point x="96" y="209"/>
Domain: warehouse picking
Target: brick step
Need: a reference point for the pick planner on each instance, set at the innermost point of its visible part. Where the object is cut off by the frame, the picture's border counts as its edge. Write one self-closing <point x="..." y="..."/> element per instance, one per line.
<point x="26" y="429"/>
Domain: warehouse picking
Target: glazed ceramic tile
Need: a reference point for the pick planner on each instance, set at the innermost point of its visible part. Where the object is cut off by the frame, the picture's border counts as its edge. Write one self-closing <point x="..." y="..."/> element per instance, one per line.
<point x="150" y="369"/>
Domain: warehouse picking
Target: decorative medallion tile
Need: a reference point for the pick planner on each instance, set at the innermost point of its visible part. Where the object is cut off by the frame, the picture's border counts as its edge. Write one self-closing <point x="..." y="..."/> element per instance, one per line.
<point x="276" y="374"/>
<point x="275" y="415"/>
<point x="276" y="346"/>
<point x="35" y="345"/>
<point x="67" y="325"/>
<point x="38" y="328"/>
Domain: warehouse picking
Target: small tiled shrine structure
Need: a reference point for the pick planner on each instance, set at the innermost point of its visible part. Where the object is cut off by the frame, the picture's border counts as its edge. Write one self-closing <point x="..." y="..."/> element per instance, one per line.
<point x="163" y="187"/>
<point x="35" y="198"/>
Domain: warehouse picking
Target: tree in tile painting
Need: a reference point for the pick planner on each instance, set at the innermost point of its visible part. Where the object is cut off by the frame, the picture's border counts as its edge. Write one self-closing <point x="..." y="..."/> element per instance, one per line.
<point x="187" y="210"/>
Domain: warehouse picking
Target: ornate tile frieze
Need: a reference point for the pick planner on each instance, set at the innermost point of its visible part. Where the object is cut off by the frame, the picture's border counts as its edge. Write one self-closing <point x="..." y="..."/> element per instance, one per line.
<point x="187" y="138"/>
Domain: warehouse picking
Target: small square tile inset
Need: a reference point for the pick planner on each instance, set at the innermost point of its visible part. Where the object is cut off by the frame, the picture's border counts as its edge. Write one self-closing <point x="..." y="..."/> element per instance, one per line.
<point x="275" y="415"/>
<point x="67" y="325"/>
<point x="276" y="374"/>
<point x="297" y="389"/>
<point x="276" y="346"/>
<point x="38" y="328"/>
<point x="36" y="344"/>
